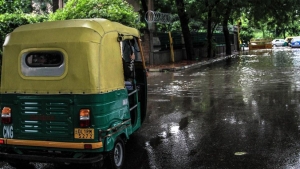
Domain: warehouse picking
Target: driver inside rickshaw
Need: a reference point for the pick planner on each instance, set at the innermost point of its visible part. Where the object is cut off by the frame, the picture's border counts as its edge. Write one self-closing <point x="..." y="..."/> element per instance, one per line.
<point x="128" y="61"/>
<point x="129" y="56"/>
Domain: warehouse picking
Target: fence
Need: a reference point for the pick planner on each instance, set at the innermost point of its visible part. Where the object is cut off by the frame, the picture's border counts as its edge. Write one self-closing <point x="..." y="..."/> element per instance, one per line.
<point x="199" y="39"/>
<point x="161" y="46"/>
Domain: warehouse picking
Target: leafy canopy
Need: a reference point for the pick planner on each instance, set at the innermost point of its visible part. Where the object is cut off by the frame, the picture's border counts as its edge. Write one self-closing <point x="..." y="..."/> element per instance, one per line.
<point x="114" y="10"/>
<point x="11" y="6"/>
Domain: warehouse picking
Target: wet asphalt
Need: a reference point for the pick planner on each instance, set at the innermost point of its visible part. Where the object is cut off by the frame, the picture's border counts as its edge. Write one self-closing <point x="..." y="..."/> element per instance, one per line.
<point x="242" y="113"/>
<point x="238" y="114"/>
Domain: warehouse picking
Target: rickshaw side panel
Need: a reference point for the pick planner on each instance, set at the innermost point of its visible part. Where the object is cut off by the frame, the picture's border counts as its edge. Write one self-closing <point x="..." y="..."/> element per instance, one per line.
<point x="111" y="71"/>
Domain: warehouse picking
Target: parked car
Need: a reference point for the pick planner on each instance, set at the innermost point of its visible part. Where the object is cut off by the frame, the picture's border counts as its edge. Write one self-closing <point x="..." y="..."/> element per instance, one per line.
<point x="278" y="42"/>
<point x="295" y="42"/>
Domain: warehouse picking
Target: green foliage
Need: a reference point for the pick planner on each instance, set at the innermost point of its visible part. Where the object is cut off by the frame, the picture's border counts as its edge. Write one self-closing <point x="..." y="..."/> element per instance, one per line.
<point x="246" y="31"/>
<point x="197" y="17"/>
<point x="11" y="6"/>
<point x="246" y="34"/>
<point x="10" y="21"/>
<point x="279" y="17"/>
<point x="114" y="10"/>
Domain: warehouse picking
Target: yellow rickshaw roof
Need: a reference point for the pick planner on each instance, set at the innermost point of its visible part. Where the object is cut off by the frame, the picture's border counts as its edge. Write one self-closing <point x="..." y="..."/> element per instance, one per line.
<point x="91" y="51"/>
<point x="100" y="25"/>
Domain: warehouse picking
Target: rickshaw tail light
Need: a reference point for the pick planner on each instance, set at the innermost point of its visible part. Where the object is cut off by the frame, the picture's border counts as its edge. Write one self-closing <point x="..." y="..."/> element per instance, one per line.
<point x="88" y="146"/>
<point x="84" y="118"/>
<point x="6" y="115"/>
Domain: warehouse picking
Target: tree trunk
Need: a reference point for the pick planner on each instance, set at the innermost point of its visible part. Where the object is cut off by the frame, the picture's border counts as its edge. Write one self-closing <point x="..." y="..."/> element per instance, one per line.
<point x="143" y="12"/>
<point x="55" y="5"/>
<point x="227" y="39"/>
<point x="144" y="5"/>
<point x="226" y="32"/>
<point x="184" y="21"/>
<point x="209" y="32"/>
<point x="210" y="7"/>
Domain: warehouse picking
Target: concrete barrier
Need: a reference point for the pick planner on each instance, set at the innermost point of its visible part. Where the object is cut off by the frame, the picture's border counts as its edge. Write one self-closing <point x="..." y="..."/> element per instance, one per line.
<point x="260" y="44"/>
<point x="163" y="57"/>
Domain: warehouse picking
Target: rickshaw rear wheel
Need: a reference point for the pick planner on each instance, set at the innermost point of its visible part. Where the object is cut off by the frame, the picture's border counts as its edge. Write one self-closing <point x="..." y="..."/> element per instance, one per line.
<point x="117" y="154"/>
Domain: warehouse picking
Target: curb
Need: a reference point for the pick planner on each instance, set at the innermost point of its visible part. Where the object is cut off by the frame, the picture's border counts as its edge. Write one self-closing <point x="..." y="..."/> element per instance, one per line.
<point x="204" y="63"/>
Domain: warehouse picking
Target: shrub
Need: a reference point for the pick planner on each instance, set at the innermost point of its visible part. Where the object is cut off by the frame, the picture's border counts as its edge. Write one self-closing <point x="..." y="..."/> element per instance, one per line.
<point x="11" y="6"/>
<point x="114" y="10"/>
<point x="10" y="21"/>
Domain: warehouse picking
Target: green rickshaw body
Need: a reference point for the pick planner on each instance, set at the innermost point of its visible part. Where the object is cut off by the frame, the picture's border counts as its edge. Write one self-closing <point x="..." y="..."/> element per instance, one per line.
<point x="63" y="92"/>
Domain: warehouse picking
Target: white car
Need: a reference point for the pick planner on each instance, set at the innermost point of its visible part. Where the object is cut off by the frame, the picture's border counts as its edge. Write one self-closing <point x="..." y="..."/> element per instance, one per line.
<point x="278" y="42"/>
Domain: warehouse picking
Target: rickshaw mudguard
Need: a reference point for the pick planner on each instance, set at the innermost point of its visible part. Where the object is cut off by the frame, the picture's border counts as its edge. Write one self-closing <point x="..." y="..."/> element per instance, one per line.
<point x="110" y="141"/>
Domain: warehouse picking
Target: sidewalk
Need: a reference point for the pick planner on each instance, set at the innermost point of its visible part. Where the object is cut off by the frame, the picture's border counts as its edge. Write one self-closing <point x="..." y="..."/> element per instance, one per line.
<point x="185" y="64"/>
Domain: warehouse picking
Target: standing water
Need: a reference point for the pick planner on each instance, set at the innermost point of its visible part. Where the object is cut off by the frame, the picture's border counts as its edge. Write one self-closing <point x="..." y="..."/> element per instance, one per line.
<point x="238" y="114"/>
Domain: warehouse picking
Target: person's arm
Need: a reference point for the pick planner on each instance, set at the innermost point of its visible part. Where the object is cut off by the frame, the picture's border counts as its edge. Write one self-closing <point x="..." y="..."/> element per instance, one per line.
<point x="132" y="58"/>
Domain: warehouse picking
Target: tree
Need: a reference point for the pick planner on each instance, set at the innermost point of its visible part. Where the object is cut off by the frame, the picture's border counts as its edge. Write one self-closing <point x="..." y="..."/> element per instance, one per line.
<point x="229" y="11"/>
<point x="246" y="31"/>
<point x="211" y="6"/>
<point x="184" y="21"/>
<point x="166" y="6"/>
<point x="178" y="7"/>
<point x="278" y="16"/>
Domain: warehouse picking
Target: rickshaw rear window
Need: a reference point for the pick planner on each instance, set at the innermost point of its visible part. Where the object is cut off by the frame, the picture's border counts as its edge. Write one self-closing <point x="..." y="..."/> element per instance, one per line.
<point x="44" y="59"/>
<point x="45" y="63"/>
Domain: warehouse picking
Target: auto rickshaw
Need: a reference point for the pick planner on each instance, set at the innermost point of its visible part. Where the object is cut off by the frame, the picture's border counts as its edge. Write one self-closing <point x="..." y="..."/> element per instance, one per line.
<point x="64" y="97"/>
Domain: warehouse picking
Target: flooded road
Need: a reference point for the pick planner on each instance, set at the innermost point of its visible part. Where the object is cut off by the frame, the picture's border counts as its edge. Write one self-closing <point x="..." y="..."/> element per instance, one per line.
<point x="243" y="114"/>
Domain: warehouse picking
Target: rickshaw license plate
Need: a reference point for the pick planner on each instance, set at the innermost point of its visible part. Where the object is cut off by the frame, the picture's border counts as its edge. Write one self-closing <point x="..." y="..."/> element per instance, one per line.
<point x="82" y="133"/>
